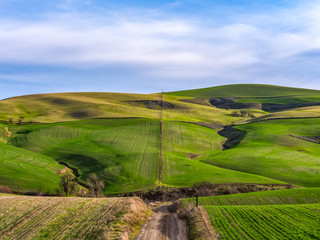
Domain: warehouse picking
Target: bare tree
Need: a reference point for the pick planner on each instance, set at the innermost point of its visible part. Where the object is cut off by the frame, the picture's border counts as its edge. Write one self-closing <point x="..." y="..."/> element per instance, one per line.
<point x="20" y="119"/>
<point x="95" y="185"/>
<point x="68" y="183"/>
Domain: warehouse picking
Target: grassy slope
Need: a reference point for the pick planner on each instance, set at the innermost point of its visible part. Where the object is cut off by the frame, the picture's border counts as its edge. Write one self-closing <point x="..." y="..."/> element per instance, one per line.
<point x="124" y="152"/>
<point x="245" y="90"/>
<point x="268" y="150"/>
<point x="69" y="218"/>
<point x="303" y="112"/>
<point x="184" y="145"/>
<point x="275" y="197"/>
<point x="266" y="222"/>
<point x="32" y="171"/>
<point x="76" y="106"/>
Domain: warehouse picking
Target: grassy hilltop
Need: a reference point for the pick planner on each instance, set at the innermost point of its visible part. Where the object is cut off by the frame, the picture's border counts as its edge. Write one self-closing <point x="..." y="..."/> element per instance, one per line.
<point x="117" y="136"/>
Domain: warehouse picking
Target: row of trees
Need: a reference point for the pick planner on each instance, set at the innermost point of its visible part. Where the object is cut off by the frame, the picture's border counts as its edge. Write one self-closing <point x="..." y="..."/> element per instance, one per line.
<point x="68" y="184"/>
<point x="19" y="120"/>
<point x="242" y="114"/>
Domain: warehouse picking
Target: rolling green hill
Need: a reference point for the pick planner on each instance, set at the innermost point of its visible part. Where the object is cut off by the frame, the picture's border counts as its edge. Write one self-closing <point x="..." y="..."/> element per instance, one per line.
<point x="117" y="136"/>
<point x="124" y="152"/>
<point x="270" y="149"/>
<point x="246" y="90"/>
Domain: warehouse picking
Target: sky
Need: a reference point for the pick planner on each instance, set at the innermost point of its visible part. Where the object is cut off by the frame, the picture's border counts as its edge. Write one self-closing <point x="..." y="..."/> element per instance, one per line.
<point x="145" y="46"/>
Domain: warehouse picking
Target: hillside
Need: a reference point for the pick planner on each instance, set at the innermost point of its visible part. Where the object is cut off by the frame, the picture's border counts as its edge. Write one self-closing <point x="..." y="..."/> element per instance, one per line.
<point x="246" y="90"/>
<point x="117" y="136"/>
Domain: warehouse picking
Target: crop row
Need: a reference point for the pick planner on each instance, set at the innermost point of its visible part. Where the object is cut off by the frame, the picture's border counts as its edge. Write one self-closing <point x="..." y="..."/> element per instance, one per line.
<point x="266" y="222"/>
<point x="62" y="218"/>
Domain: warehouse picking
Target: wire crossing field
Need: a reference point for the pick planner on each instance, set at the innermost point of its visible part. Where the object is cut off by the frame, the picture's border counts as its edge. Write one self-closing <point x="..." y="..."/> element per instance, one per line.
<point x="275" y="197"/>
<point x="185" y="145"/>
<point x="266" y="222"/>
<point x="68" y="218"/>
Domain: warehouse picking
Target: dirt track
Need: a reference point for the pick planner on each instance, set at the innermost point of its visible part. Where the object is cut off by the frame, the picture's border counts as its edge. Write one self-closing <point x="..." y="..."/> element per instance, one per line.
<point x="164" y="226"/>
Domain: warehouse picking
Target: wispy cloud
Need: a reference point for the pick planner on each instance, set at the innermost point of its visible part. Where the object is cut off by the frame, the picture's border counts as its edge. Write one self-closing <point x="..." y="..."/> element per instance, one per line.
<point x="259" y="47"/>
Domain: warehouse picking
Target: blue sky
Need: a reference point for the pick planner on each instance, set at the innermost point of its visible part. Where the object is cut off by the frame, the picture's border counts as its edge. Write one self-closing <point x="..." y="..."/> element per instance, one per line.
<point x="149" y="45"/>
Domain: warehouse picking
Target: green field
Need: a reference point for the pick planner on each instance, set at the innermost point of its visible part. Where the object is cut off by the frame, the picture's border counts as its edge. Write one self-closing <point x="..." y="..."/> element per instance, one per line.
<point x="266" y="222"/>
<point x="28" y="171"/>
<point x="185" y="145"/>
<point x="123" y="152"/>
<point x="69" y="218"/>
<point x="269" y="150"/>
<point x="246" y="90"/>
<point x="275" y="197"/>
<point x="116" y="135"/>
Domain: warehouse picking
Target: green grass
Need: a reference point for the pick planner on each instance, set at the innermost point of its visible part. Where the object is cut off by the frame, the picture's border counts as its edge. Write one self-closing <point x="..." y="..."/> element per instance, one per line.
<point x="245" y="90"/>
<point x="123" y="152"/>
<point x="49" y="108"/>
<point x="32" y="171"/>
<point x="184" y="145"/>
<point x="274" y="197"/>
<point x="269" y="150"/>
<point x="266" y="222"/>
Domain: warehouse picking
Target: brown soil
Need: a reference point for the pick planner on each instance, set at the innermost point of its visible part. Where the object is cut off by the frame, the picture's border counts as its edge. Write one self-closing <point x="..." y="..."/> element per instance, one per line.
<point x="164" y="226"/>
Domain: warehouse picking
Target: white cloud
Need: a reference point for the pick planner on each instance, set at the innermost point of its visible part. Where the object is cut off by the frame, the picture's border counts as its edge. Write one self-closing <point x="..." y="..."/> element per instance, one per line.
<point x="175" y="48"/>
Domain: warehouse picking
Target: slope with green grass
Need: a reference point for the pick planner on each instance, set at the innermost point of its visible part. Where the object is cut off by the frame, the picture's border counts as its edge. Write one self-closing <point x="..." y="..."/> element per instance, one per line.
<point x="268" y="149"/>
<point x="28" y="171"/>
<point x="184" y="145"/>
<point x="123" y="152"/>
<point x="266" y="222"/>
<point x="275" y="197"/>
<point x="49" y="108"/>
<point x="246" y="90"/>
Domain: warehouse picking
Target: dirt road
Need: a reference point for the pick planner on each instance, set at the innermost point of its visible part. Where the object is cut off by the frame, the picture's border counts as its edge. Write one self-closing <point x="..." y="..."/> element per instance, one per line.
<point x="164" y="226"/>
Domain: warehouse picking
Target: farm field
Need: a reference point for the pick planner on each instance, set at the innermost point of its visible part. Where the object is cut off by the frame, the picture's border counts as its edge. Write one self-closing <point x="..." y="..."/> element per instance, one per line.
<point x="266" y="222"/>
<point x="184" y="145"/>
<point x="122" y="152"/>
<point x="57" y="107"/>
<point x="274" y="197"/>
<point x="69" y="218"/>
<point x="269" y="150"/>
<point x="117" y="136"/>
<point x="28" y="171"/>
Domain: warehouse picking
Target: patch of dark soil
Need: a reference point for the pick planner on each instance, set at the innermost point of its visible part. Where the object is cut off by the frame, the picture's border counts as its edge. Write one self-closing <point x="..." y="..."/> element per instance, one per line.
<point x="234" y="136"/>
<point x="60" y="101"/>
<point x="274" y="107"/>
<point x="230" y="103"/>
<point x="164" y="193"/>
<point x="80" y="114"/>
<point x="193" y="155"/>
<point x="155" y="104"/>
<point x="200" y="101"/>
<point x="314" y="139"/>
